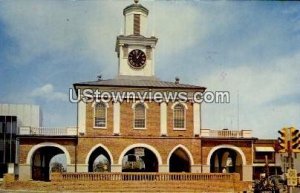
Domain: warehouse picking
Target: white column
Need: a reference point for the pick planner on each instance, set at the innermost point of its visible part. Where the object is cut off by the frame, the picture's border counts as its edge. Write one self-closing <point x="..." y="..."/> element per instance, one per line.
<point x="205" y="168"/>
<point x="11" y="168"/>
<point x="196" y="113"/>
<point x="82" y="167"/>
<point x="24" y="172"/>
<point x="116" y="111"/>
<point x="163" y="119"/>
<point x="116" y="168"/>
<point x="164" y="168"/>
<point x="71" y="168"/>
<point x="81" y="116"/>
<point x="247" y="173"/>
<point x="196" y="168"/>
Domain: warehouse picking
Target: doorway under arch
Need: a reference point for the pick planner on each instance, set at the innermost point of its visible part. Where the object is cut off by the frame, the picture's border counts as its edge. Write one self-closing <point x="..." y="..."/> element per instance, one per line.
<point x="139" y="159"/>
<point x="179" y="161"/>
<point x="99" y="161"/>
<point x="46" y="159"/>
<point x="226" y="160"/>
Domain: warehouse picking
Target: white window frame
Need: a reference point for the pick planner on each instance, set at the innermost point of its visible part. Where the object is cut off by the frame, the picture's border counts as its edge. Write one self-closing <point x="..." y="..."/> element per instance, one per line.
<point x="184" y="108"/>
<point x="146" y="107"/>
<point x="94" y="121"/>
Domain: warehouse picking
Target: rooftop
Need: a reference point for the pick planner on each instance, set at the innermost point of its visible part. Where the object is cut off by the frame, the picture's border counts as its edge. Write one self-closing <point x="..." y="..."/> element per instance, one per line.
<point x="138" y="81"/>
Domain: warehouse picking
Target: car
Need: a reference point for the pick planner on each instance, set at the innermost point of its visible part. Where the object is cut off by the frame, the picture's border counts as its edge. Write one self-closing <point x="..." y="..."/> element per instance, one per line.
<point x="276" y="178"/>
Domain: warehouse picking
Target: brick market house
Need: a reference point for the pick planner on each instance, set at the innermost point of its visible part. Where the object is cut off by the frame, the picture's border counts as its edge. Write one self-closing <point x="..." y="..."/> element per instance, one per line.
<point x="135" y="135"/>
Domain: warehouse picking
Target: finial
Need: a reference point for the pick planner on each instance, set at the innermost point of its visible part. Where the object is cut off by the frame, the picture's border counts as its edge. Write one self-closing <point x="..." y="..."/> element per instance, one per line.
<point x="136" y="1"/>
<point x="177" y="80"/>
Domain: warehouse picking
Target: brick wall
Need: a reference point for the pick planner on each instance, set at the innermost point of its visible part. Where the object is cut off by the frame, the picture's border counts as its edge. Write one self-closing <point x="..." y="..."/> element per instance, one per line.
<point x="117" y="144"/>
<point x="244" y="145"/>
<point x="127" y="118"/>
<point x="26" y="144"/>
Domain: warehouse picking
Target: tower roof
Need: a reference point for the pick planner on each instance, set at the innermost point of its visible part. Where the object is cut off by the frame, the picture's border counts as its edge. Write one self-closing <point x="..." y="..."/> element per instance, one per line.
<point x="135" y="7"/>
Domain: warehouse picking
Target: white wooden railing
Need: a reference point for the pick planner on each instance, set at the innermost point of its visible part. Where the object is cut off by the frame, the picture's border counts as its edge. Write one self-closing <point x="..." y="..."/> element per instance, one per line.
<point x="225" y="133"/>
<point x="48" y="131"/>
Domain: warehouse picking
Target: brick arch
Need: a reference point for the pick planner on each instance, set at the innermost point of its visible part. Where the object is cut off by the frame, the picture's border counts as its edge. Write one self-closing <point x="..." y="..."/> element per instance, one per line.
<point x="47" y="144"/>
<point x="185" y="149"/>
<point x="94" y="148"/>
<point x="237" y="149"/>
<point x="151" y="148"/>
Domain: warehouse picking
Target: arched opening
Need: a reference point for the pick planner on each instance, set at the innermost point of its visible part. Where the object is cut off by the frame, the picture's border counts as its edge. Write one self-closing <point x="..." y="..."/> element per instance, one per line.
<point x="139" y="159"/>
<point x="99" y="161"/>
<point x="179" y="161"/>
<point x="226" y="160"/>
<point x="45" y="160"/>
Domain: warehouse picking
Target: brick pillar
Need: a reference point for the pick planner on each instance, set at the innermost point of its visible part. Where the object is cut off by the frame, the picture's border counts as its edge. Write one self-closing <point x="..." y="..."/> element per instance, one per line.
<point x="56" y="177"/>
<point x="8" y="178"/>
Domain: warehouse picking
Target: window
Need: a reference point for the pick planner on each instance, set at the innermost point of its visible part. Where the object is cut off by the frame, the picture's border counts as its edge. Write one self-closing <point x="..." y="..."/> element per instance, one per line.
<point x="100" y="115"/>
<point x="136" y="24"/>
<point x="139" y="116"/>
<point x="179" y="116"/>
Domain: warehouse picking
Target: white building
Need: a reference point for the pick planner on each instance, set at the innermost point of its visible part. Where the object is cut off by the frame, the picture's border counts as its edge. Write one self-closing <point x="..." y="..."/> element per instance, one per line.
<point x="12" y="118"/>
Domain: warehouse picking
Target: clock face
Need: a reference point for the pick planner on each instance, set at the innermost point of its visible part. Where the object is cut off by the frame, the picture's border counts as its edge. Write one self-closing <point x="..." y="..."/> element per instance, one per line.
<point x="137" y="58"/>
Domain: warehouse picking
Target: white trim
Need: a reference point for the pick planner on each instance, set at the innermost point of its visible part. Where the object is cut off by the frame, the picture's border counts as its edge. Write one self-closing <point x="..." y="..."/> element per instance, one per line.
<point x="138" y="102"/>
<point x="228" y="147"/>
<point x="264" y="165"/>
<point x="94" y="148"/>
<point x="163" y="118"/>
<point x="176" y="103"/>
<point x="116" y="117"/>
<point x="186" y="151"/>
<point x="47" y="144"/>
<point x="145" y="107"/>
<point x="264" y="149"/>
<point x="185" y="108"/>
<point x="94" y="106"/>
<point x="156" y="153"/>
<point x="196" y="118"/>
<point x="81" y="116"/>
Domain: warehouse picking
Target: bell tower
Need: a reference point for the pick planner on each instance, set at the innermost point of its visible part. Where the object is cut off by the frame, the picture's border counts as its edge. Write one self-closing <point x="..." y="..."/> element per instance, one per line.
<point x="134" y="49"/>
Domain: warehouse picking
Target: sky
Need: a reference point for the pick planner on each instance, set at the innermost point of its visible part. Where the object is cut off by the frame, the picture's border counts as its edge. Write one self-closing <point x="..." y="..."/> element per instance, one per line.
<point x="249" y="48"/>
